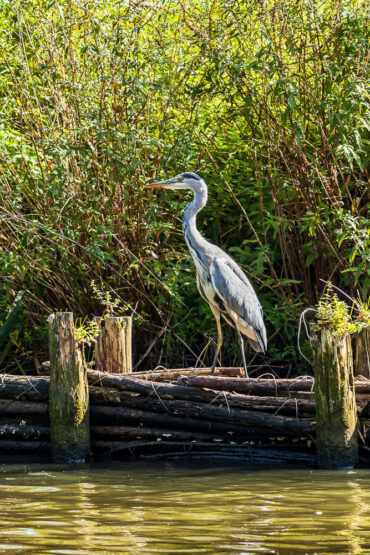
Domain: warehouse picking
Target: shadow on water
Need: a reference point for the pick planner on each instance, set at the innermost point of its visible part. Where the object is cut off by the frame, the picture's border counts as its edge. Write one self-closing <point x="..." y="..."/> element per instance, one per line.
<point x="135" y="507"/>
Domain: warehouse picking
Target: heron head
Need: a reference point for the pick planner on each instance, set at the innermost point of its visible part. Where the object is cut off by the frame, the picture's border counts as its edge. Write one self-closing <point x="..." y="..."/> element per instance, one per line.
<point x="187" y="180"/>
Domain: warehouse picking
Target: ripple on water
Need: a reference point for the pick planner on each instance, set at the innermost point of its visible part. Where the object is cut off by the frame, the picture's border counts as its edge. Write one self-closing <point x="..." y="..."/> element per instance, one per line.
<point x="132" y="508"/>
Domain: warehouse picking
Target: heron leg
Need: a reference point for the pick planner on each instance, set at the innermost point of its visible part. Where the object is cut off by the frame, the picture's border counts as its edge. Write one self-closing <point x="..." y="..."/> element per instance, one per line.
<point x="241" y="344"/>
<point x="219" y="337"/>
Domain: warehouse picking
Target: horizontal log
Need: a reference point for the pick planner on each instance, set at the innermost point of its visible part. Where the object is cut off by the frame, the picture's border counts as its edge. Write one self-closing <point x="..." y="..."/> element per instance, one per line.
<point x="203" y="450"/>
<point x="25" y="389"/>
<point x="294" y="388"/>
<point x="13" y="431"/>
<point x="23" y="408"/>
<point x="32" y="381"/>
<point x="129" y="433"/>
<point x="126" y="415"/>
<point x="280" y="405"/>
<point x="249" y="386"/>
<point x="25" y="420"/>
<point x="264" y="422"/>
<point x="174" y="373"/>
<point x="196" y="378"/>
<point x="139" y="432"/>
<point x="24" y="446"/>
<point x="186" y="392"/>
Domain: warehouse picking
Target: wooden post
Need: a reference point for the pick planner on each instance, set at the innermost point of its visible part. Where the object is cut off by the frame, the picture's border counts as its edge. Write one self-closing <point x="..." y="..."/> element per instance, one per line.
<point x="336" y="415"/>
<point x="113" y="347"/>
<point x="68" y="393"/>
<point x="361" y="353"/>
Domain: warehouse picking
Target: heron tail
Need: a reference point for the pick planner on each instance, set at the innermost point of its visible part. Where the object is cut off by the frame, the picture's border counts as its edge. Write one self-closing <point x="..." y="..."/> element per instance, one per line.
<point x="259" y="346"/>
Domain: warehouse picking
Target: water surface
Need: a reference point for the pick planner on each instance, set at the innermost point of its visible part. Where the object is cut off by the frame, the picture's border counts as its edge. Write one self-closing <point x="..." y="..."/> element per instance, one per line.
<point x="145" y="508"/>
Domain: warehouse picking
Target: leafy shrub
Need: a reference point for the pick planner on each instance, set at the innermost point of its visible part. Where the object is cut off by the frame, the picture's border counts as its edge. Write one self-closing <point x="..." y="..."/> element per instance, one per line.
<point x="268" y="102"/>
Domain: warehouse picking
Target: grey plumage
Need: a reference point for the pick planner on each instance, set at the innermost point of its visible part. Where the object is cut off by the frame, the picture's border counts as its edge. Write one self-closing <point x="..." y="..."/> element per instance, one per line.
<point x="220" y="280"/>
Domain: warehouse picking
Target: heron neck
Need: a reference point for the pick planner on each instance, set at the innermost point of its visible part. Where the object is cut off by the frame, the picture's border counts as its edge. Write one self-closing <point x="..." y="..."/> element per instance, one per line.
<point x="189" y="218"/>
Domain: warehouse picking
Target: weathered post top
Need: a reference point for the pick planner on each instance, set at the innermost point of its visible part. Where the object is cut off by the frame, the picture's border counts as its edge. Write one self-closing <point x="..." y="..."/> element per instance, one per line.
<point x="113" y="347"/>
<point x="68" y="393"/>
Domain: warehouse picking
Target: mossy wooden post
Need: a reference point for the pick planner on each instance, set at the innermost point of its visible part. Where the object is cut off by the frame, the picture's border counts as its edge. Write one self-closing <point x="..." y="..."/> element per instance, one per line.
<point x="68" y="393"/>
<point x="361" y="352"/>
<point x="113" y="347"/>
<point x="336" y="416"/>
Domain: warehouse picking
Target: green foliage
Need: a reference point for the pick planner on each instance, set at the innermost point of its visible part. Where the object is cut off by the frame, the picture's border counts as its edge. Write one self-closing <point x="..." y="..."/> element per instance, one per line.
<point x="111" y="306"/>
<point x="86" y="331"/>
<point x="336" y="316"/>
<point x="268" y="102"/>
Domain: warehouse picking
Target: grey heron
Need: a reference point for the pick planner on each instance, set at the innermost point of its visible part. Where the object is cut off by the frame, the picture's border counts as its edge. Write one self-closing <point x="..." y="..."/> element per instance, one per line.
<point x="221" y="282"/>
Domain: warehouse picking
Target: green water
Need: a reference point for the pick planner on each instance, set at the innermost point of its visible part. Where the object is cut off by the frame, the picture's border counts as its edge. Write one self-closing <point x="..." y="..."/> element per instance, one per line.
<point x="135" y="508"/>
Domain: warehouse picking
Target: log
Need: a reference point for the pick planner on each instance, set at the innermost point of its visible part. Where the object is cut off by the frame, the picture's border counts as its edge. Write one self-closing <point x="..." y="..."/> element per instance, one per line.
<point x="26" y="388"/>
<point x="12" y="431"/>
<point x="266" y="423"/>
<point x="124" y="415"/>
<point x="336" y="415"/>
<point x="292" y="386"/>
<point x="113" y="347"/>
<point x="23" y="408"/>
<point x="190" y="383"/>
<point x="361" y="352"/>
<point x="138" y="432"/>
<point x="138" y="395"/>
<point x="203" y="451"/>
<point x="249" y="386"/>
<point x="173" y="373"/>
<point x="68" y="393"/>
<point x="24" y="446"/>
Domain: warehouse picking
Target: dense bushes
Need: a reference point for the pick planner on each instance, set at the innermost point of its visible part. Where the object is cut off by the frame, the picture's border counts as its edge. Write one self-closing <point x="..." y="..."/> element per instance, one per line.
<point x="268" y="102"/>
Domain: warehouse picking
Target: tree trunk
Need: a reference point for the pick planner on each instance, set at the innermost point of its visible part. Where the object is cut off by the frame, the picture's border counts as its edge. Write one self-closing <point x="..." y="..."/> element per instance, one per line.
<point x="336" y="416"/>
<point x="68" y="393"/>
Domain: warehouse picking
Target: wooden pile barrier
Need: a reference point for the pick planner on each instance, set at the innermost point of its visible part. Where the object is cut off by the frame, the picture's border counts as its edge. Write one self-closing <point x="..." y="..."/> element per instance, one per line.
<point x="194" y="415"/>
<point x="78" y="412"/>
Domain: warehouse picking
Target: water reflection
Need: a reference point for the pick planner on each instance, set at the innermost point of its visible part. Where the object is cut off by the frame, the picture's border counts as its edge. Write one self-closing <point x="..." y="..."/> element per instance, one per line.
<point x="134" y="508"/>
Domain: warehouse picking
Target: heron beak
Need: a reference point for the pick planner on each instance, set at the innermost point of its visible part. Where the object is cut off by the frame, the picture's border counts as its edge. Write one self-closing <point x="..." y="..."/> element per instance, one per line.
<point x="160" y="184"/>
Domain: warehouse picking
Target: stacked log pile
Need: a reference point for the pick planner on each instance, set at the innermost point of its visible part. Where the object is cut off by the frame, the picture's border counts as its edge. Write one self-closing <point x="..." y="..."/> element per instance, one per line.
<point x="169" y="414"/>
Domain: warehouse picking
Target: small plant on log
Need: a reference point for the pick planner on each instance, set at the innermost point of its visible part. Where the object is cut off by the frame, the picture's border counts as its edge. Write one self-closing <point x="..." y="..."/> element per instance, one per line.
<point x="338" y="317"/>
<point x="86" y="331"/>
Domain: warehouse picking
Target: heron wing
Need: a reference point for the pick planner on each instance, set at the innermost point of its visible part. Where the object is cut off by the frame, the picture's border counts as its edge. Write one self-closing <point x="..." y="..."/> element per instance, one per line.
<point x="235" y="290"/>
